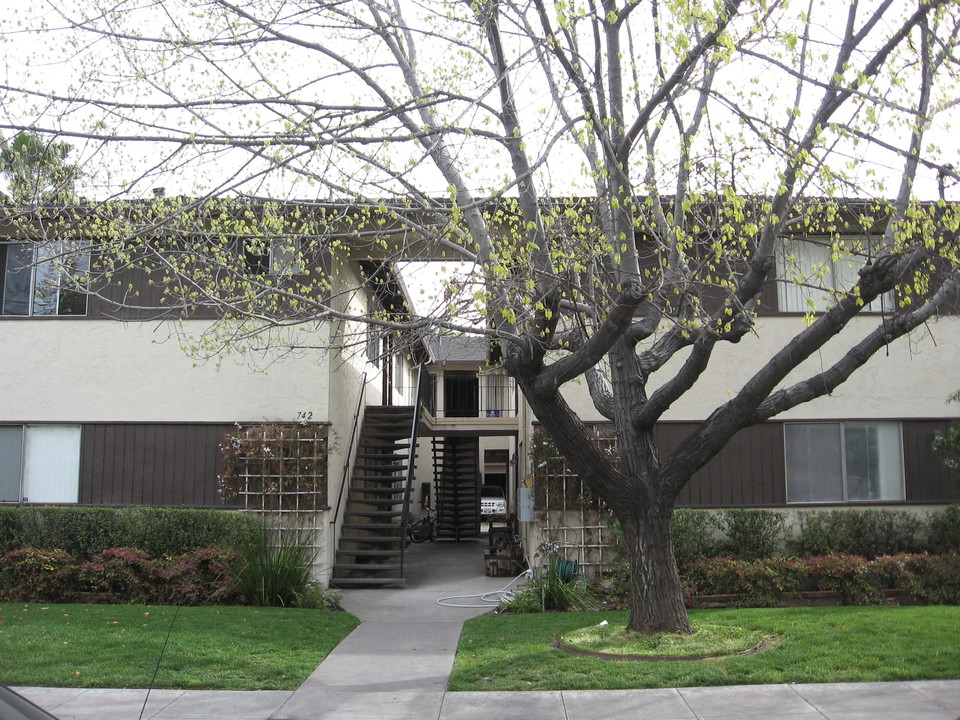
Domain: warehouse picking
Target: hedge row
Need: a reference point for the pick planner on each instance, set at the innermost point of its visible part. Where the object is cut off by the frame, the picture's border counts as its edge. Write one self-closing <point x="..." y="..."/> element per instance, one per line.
<point x="757" y="534"/>
<point x="121" y="575"/>
<point x="85" y="531"/>
<point x="929" y="579"/>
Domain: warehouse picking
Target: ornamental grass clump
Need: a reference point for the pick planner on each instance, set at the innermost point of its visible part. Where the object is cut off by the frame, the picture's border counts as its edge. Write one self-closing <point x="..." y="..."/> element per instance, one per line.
<point x="559" y="588"/>
<point x="276" y="570"/>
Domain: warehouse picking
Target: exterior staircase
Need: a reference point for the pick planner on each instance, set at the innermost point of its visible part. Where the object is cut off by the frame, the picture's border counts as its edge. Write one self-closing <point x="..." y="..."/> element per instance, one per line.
<point x="457" y="487"/>
<point x="370" y="551"/>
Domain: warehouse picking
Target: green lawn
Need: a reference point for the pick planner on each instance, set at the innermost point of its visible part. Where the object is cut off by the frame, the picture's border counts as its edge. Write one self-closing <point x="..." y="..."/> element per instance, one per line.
<point x="837" y="644"/>
<point x="229" y="648"/>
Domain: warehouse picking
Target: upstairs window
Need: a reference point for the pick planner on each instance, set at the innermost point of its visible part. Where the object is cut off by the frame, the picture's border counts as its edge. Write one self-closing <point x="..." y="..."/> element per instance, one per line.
<point x="44" y="280"/>
<point x="843" y="462"/>
<point x="278" y="256"/>
<point x="812" y="271"/>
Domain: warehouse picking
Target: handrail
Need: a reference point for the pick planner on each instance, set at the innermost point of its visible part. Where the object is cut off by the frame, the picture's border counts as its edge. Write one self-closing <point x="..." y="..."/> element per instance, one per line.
<point x="345" y="479"/>
<point x="411" y="464"/>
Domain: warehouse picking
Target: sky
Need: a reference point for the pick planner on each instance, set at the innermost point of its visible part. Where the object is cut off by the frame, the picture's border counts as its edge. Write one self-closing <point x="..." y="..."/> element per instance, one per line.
<point x="58" y="61"/>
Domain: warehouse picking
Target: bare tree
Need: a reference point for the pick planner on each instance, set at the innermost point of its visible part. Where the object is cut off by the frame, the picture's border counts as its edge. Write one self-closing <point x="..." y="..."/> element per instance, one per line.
<point x="626" y="178"/>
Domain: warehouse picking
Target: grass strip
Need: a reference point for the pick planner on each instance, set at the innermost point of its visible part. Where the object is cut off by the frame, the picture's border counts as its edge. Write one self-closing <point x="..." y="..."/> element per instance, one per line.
<point x="833" y="644"/>
<point x="117" y="646"/>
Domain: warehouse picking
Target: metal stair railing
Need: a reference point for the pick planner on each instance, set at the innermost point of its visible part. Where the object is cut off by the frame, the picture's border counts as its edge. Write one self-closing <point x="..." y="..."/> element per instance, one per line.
<point x="411" y="465"/>
<point x="345" y="479"/>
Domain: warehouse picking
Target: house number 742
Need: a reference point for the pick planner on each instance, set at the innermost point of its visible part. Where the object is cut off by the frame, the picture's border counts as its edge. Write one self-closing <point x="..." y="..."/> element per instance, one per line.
<point x="305" y="415"/>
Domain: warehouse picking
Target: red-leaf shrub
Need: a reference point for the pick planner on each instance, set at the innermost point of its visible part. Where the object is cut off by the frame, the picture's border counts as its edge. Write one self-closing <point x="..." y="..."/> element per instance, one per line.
<point x="931" y="579"/>
<point x="121" y="575"/>
<point x="32" y="575"/>
<point x="758" y="584"/>
<point x="934" y="579"/>
<point x="849" y="575"/>
<point x="201" y="577"/>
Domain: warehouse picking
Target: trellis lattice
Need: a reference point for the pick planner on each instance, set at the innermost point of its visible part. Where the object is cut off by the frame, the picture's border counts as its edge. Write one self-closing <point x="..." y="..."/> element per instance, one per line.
<point x="570" y="514"/>
<point x="277" y="468"/>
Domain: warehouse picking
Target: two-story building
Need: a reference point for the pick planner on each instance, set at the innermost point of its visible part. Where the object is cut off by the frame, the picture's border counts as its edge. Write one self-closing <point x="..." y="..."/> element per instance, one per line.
<point x="100" y="405"/>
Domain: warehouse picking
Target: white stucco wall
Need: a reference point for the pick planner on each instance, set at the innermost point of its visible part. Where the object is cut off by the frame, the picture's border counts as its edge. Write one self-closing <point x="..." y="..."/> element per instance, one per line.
<point x="100" y="370"/>
<point x="912" y="378"/>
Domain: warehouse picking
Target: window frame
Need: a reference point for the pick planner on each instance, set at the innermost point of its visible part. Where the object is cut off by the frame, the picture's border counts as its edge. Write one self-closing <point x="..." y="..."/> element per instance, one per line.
<point x="796" y="293"/>
<point x="26" y="472"/>
<point x="39" y="265"/>
<point x="281" y="257"/>
<point x="844" y="461"/>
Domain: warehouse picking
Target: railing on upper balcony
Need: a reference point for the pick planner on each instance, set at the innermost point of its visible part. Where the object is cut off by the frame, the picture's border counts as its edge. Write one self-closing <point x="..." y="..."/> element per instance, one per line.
<point x="488" y="394"/>
<point x="498" y="394"/>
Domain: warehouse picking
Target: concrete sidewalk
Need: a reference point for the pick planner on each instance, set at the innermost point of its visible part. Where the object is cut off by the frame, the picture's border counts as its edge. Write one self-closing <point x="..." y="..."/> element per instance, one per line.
<point x="395" y="666"/>
<point x="929" y="700"/>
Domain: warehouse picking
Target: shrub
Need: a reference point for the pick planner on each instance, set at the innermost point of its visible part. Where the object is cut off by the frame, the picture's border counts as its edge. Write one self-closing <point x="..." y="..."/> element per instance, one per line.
<point x="849" y="575"/>
<point x="175" y="531"/>
<point x="201" y="577"/>
<point x="81" y="532"/>
<point x="868" y="533"/>
<point x="934" y="579"/>
<point x="693" y="536"/>
<point x="85" y="531"/>
<point x="121" y="575"/>
<point x="751" y="534"/>
<point x="943" y="530"/>
<point x="890" y="572"/>
<point x="757" y="584"/>
<point x="31" y="575"/>
<point x="930" y="579"/>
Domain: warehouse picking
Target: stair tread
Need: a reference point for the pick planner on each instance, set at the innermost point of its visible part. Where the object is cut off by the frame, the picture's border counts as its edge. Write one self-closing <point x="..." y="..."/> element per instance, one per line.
<point x="349" y="582"/>
<point x="374" y="513"/>
<point x="374" y="539"/>
<point x="374" y="499"/>
<point x="373" y="567"/>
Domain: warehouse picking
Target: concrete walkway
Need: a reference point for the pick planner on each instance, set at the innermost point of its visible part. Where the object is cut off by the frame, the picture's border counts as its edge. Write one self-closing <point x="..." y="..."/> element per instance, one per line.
<point x="395" y="666"/>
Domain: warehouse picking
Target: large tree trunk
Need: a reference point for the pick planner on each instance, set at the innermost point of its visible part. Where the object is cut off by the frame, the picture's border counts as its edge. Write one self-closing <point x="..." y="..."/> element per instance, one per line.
<point x="656" y="596"/>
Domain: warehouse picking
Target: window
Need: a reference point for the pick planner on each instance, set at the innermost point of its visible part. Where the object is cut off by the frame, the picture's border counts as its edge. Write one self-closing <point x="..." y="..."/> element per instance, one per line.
<point x="281" y="256"/>
<point x="843" y="462"/>
<point x="11" y="455"/>
<point x="499" y="393"/>
<point x="44" y="279"/>
<point x="39" y="463"/>
<point x="811" y="272"/>
<point x="285" y="258"/>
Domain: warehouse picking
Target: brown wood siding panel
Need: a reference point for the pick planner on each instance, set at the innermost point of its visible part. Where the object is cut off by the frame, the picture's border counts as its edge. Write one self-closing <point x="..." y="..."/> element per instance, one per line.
<point x="769" y="304"/>
<point x="748" y="472"/>
<point x="151" y="464"/>
<point x="927" y="479"/>
<point x="145" y="301"/>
